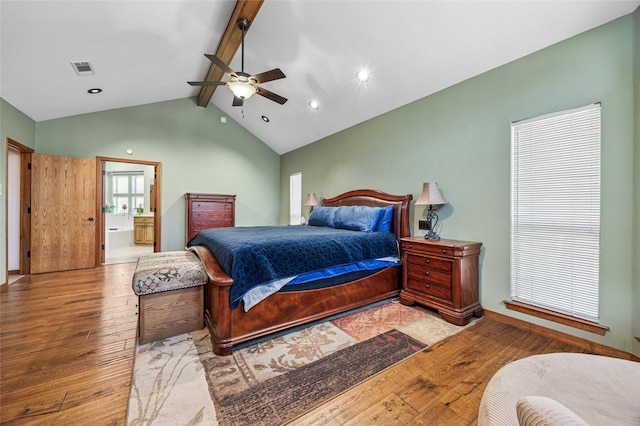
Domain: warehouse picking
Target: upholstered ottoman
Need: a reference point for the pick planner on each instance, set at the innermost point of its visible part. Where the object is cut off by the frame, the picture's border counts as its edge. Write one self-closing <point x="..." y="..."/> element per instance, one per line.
<point x="170" y="289"/>
<point x="563" y="389"/>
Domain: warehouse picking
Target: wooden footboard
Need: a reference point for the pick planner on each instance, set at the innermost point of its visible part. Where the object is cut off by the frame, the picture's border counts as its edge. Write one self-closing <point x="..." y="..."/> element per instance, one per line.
<point x="229" y="327"/>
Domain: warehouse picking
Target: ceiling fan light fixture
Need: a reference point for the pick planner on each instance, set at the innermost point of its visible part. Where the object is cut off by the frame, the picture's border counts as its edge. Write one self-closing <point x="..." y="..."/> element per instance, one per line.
<point x="314" y="105"/>
<point x="241" y="89"/>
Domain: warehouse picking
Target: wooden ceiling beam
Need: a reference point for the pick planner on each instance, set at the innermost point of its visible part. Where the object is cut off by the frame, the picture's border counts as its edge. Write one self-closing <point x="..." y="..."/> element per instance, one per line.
<point x="229" y="45"/>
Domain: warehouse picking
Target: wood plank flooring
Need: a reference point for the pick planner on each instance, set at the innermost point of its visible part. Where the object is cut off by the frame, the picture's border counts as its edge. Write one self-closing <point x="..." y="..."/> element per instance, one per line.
<point x="67" y="344"/>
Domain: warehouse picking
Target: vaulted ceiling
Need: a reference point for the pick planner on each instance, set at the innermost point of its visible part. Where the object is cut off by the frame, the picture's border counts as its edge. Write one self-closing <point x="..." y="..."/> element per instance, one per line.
<point x="145" y="51"/>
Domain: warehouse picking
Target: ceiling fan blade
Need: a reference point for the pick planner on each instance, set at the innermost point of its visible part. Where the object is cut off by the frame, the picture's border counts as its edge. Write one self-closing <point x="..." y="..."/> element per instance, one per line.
<point x="207" y="83"/>
<point x="270" y="95"/>
<point x="237" y="101"/>
<point x="220" y="63"/>
<point x="274" y="74"/>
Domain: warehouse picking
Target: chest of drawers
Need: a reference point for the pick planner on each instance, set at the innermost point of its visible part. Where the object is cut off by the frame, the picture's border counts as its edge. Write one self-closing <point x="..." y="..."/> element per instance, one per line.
<point x="206" y="211"/>
<point x="443" y="275"/>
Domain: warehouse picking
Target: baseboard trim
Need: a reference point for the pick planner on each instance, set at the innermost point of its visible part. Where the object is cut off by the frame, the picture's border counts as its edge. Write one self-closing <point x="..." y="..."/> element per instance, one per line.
<point x="568" y="338"/>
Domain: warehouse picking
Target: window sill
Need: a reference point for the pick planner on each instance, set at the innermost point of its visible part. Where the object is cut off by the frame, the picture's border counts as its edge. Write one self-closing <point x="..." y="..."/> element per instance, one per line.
<point x="557" y="317"/>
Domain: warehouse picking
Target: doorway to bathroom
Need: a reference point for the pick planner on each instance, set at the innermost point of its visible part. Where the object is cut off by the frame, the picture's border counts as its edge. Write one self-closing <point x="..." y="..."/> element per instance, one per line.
<point x="130" y="218"/>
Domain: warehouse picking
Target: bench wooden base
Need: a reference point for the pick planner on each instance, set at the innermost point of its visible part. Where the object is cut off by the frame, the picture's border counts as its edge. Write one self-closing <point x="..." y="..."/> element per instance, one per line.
<point x="170" y="313"/>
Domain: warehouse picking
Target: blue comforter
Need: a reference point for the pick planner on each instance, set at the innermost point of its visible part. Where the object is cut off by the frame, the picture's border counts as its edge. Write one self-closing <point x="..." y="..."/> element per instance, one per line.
<point x="258" y="255"/>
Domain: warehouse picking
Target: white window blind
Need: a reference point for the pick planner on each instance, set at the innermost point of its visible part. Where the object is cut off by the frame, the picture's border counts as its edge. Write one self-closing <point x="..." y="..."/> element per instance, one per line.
<point x="295" y="198"/>
<point x="555" y="229"/>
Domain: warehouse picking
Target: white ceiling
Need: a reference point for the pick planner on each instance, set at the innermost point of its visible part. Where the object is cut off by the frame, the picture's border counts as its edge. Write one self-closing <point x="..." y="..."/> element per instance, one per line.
<point x="145" y="51"/>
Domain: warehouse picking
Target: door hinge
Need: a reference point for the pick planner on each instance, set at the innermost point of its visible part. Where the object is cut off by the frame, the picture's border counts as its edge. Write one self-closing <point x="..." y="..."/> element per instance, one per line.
<point x="28" y="210"/>
<point x="102" y="246"/>
<point x="29" y="166"/>
<point x="103" y="210"/>
<point x="104" y="172"/>
<point x="29" y="253"/>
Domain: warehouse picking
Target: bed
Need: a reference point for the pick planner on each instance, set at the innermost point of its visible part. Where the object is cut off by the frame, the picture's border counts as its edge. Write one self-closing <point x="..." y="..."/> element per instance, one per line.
<point x="229" y="326"/>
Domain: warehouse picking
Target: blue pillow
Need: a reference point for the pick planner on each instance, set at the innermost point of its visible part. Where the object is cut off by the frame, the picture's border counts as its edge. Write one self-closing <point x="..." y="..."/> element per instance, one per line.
<point x="384" y="224"/>
<point x="322" y="216"/>
<point x="357" y="218"/>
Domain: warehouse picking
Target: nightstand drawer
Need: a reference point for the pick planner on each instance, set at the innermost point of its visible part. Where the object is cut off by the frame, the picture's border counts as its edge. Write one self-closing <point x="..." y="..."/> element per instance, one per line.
<point x="429" y="289"/>
<point x="444" y="248"/>
<point x="430" y="262"/>
<point x="428" y="274"/>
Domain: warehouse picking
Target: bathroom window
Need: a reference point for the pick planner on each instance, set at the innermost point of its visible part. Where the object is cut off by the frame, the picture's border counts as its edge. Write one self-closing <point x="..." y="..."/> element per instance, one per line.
<point x="128" y="192"/>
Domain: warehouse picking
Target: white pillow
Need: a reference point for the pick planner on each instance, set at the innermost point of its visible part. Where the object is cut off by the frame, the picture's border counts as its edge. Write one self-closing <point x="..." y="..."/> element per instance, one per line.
<point x="543" y="411"/>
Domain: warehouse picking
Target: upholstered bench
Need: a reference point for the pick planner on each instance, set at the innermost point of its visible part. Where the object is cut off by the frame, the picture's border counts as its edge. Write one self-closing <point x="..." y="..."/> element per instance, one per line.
<point x="563" y="389"/>
<point x="170" y="289"/>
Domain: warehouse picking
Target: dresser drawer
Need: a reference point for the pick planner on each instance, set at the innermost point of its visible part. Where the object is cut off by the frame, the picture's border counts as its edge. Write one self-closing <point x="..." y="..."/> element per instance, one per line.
<point x="431" y="275"/>
<point x="211" y="206"/>
<point x="201" y="216"/>
<point x="430" y="289"/>
<point x="197" y="227"/>
<point x="430" y="262"/>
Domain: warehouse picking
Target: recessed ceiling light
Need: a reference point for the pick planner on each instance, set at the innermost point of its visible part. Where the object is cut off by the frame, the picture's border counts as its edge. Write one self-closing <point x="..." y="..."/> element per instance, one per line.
<point x="94" y="91"/>
<point x="362" y="75"/>
<point x="314" y="105"/>
<point x="265" y="118"/>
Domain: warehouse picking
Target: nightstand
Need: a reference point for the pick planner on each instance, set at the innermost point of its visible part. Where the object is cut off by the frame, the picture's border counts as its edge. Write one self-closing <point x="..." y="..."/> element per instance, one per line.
<point x="442" y="274"/>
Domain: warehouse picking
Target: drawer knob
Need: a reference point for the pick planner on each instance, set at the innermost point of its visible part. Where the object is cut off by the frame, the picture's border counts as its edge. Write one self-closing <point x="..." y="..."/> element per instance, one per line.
<point x="444" y="251"/>
<point x="426" y="286"/>
<point x="426" y="273"/>
<point x="426" y="261"/>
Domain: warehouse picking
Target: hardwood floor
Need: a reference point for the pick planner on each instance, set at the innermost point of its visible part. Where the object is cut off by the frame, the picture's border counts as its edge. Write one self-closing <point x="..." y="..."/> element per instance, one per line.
<point x="67" y="345"/>
<point x="442" y="385"/>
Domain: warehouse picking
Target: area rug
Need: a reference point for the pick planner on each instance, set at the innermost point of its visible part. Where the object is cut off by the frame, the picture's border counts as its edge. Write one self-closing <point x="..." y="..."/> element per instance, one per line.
<point x="179" y="381"/>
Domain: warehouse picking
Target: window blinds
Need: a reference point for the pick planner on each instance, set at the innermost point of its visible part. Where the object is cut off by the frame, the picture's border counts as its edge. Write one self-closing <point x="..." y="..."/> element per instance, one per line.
<point x="555" y="229"/>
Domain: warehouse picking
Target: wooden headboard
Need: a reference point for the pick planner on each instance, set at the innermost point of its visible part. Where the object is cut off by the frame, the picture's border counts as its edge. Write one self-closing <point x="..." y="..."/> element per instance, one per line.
<point x="373" y="198"/>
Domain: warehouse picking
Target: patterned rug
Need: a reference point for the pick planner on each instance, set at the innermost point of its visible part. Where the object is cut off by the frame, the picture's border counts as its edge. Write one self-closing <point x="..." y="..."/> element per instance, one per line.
<point x="179" y="381"/>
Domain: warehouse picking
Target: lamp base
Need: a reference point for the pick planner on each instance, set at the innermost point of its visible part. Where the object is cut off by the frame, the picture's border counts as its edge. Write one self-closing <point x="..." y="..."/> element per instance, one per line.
<point x="432" y="221"/>
<point x="431" y="236"/>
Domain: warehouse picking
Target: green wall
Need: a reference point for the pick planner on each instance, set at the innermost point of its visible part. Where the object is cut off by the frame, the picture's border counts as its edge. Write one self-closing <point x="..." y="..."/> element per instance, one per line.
<point x="22" y="129"/>
<point x="197" y="152"/>
<point x="460" y="137"/>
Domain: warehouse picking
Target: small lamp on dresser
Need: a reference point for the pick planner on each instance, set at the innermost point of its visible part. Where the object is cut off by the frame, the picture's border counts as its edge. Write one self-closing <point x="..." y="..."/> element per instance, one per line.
<point x="312" y="201"/>
<point x="431" y="196"/>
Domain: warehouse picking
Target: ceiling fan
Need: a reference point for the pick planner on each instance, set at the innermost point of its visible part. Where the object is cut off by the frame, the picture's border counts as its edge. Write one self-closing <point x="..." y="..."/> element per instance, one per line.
<point x="244" y="85"/>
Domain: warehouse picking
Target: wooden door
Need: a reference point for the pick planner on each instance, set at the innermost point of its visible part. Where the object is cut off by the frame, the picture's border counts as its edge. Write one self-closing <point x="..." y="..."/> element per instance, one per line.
<point x="63" y="200"/>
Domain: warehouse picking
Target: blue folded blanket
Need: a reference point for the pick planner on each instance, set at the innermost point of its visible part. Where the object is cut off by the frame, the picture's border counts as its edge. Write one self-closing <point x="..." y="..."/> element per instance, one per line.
<point x="260" y="255"/>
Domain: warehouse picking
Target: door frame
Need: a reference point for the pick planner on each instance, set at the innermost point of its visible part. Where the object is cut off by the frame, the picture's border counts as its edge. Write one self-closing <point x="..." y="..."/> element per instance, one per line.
<point x="25" y="205"/>
<point x="100" y="214"/>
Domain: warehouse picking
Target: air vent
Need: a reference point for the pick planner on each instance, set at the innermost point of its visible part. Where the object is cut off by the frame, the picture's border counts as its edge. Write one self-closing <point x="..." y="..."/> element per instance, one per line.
<point x="82" y="68"/>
